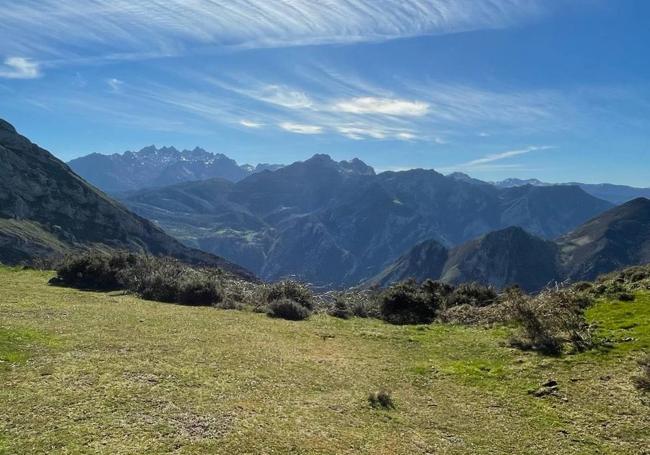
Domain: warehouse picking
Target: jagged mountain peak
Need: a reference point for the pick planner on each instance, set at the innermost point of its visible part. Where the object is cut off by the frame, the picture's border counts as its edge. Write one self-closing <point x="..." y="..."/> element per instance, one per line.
<point x="6" y="126"/>
<point x="154" y="166"/>
<point x="321" y="160"/>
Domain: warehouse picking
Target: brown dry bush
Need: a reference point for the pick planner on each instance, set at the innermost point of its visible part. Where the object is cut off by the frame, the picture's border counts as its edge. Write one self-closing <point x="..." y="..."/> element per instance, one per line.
<point x="550" y="320"/>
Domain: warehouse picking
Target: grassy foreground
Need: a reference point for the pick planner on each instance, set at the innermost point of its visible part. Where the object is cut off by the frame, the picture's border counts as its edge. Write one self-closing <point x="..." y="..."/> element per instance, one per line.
<point x="84" y="372"/>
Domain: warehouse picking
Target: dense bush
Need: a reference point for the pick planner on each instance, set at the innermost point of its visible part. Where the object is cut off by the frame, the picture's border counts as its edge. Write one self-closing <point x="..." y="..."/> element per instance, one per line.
<point x="473" y="294"/>
<point x="549" y="320"/>
<point x="167" y="280"/>
<point x="340" y="309"/>
<point x="408" y="303"/>
<point x="291" y="290"/>
<point x="94" y="270"/>
<point x="152" y="278"/>
<point x="285" y="308"/>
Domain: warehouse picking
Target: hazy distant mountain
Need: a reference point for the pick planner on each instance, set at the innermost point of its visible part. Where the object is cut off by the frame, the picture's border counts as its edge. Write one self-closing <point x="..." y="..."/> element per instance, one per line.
<point x="616" y="194"/>
<point x="504" y="257"/>
<point x="338" y="223"/>
<point x="46" y="209"/>
<point x="154" y="167"/>
<point x="615" y="239"/>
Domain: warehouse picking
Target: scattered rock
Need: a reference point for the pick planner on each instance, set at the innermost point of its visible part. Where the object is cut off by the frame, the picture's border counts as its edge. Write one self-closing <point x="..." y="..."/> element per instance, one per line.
<point x="550" y="387"/>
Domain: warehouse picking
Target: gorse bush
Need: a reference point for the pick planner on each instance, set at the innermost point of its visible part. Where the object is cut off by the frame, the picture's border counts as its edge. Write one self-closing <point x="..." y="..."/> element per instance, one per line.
<point x="285" y="308"/>
<point x="292" y="290"/>
<point x="94" y="270"/>
<point x="340" y="309"/>
<point x="167" y="280"/>
<point x="408" y="303"/>
<point x="473" y="294"/>
<point x="625" y="281"/>
<point x="152" y="278"/>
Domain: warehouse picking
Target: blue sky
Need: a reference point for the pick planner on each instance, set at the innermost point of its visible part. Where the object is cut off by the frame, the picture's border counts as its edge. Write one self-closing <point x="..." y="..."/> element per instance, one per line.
<point x="553" y="89"/>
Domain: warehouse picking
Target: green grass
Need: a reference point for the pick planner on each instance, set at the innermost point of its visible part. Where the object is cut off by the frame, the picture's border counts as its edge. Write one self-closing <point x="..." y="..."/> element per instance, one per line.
<point x="107" y="373"/>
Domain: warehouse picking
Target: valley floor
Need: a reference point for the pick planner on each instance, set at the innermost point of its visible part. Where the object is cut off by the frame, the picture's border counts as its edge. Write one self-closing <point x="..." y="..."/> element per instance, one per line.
<point x="84" y="372"/>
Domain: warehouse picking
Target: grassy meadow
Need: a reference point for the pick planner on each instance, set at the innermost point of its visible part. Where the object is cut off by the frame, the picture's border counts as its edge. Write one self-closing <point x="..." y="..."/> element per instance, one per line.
<point x="86" y="372"/>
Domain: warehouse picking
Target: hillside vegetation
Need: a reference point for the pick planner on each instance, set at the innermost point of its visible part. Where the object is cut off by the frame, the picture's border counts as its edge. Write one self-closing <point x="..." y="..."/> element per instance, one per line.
<point x="47" y="210"/>
<point x="87" y="372"/>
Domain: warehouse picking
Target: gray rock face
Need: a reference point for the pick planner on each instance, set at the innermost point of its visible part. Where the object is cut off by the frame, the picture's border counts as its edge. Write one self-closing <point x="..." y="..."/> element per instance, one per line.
<point x="338" y="223"/>
<point x="49" y="208"/>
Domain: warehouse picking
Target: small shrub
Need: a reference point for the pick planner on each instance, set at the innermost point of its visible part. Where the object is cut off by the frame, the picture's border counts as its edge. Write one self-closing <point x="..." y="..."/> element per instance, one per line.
<point x="642" y="381"/>
<point x="473" y="294"/>
<point x="583" y="286"/>
<point x="408" y="303"/>
<point x="381" y="399"/>
<point x="288" y="309"/>
<point x="291" y="290"/>
<point x="340" y="309"/>
<point x="229" y="304"/>
<point x="196" y="288"/>
<point x="626" y="297"/>
<point x="639" y="276"/>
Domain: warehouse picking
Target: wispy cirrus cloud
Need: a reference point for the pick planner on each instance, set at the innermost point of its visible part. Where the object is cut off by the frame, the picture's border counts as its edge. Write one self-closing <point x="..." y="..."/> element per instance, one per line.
<point x="114" y="84"/>
<point x="300" y="128"/>
<point x="110" y="28"/>
<point x="250" y="124"/>
<point x="382" y="106"/>
<point x="20" y="68"/>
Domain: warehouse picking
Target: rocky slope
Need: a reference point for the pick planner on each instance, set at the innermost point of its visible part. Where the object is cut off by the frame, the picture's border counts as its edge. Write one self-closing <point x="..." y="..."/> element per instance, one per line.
<point x="338" y="223"/>
<point x="46" y="209"/>
<point x="618" y="238"/>
<point x="155" y="167"/>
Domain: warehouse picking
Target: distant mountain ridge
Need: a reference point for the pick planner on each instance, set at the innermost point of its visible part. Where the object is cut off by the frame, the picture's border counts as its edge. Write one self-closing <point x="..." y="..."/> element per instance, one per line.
<point x="339" y="223"/>
<point x="616" y="194"/>
<point x="155" y="167"/>
<point x="46" y="210"/>
<point x="613" y="240"/>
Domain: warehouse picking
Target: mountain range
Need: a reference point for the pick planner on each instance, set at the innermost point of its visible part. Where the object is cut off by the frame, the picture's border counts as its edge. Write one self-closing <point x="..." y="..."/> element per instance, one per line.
<point x="152" y="167"/>
<point x="158" y="167"/>
<point x="618" y="238"/>
<point x="48" y="210"/>
<point x="340" y="223"/>
<point x="616" y="194"/>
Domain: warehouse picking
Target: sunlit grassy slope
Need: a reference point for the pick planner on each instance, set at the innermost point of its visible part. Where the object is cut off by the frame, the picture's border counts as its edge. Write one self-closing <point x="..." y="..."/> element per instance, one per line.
<point x="84" y="372"/>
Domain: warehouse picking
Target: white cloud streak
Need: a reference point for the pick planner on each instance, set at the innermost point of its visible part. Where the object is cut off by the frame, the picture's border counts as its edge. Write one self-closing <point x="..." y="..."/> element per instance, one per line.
<point x="250" y="124"/>
<point x="20" y="68"/>
<point x="503" y="155"/>
<point x="87" y="28"/>
<point x="115" y="85"/>
<point x="299" y="128"/>
<point x="487" y="162"/>
<point x="382" y="106"/>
